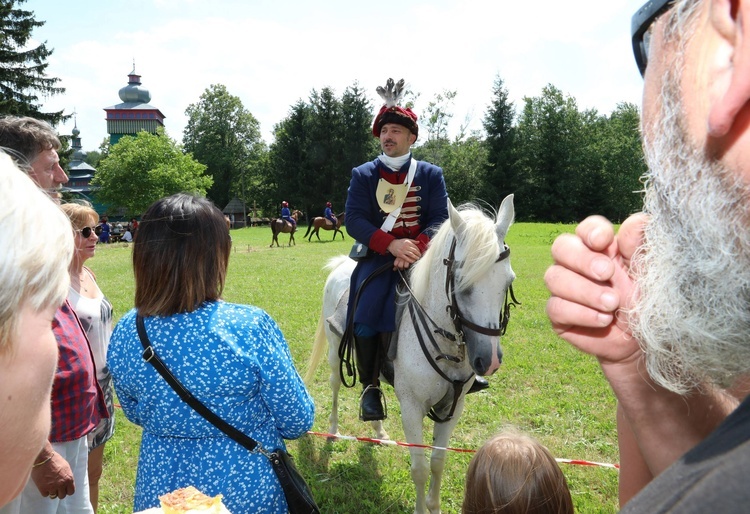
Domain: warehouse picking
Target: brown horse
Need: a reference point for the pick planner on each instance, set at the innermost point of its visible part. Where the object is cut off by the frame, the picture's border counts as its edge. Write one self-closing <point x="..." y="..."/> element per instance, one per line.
<point x="279" y="225"/>
<point x="325" y="224"/>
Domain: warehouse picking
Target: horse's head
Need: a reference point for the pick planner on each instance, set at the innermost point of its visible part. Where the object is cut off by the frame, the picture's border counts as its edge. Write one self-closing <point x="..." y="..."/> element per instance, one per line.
<point x="296" y="215"/>
<point x="480" y="285"/>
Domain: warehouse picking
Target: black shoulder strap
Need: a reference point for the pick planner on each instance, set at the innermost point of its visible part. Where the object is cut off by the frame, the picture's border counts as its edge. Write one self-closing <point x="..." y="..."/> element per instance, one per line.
<point x="149" y="355"/>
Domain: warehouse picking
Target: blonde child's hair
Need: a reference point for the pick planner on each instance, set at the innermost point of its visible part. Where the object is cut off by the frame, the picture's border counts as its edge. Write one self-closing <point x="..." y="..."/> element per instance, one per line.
<point x="513" y="473"/>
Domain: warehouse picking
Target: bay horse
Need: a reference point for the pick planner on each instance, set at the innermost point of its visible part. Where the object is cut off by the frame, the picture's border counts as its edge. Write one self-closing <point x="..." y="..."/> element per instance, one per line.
<point x="324" y="223"/>
<point x="438" y="350"/>
<point x="280" y="225"/>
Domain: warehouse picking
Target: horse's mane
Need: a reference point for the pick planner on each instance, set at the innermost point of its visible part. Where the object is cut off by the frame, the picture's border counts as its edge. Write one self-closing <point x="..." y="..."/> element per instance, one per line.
<point x="479" y="240"/>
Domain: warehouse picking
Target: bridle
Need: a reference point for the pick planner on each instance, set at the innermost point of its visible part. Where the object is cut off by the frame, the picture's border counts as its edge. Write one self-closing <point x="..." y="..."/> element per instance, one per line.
<point x="421" y="321"/>
<point x="459" y="320"/>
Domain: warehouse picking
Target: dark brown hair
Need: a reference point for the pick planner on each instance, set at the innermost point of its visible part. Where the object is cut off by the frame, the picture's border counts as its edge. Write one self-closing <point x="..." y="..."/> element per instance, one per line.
<point x="515" y="474"/>
<point x="180" y="255"/>
<point x="24" y="138"/>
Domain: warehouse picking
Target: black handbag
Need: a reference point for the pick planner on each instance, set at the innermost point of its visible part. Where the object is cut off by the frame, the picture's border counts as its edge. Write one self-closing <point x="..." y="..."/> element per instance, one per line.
<point x="298" y="495"/>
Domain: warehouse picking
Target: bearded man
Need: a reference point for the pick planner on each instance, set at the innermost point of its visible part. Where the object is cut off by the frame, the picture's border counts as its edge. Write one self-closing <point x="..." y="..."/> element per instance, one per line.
<point x="663" y="305"/>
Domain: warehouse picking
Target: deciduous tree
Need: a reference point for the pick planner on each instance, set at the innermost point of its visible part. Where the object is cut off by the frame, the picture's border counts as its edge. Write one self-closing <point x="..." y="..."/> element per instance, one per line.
<point x="224" y="136"/>
<point x="139" y="170"/>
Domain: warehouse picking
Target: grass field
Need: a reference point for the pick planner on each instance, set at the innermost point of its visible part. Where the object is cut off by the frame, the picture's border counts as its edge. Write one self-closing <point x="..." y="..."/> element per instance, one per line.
<point x="544" y="387"/>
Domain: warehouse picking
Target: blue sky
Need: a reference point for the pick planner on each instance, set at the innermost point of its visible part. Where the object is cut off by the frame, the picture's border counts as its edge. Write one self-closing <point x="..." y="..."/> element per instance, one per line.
<point x="272" y="53"/>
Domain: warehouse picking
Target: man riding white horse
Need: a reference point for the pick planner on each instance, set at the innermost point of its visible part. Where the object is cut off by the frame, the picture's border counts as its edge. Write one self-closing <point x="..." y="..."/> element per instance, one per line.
<point x="394" y="203"/>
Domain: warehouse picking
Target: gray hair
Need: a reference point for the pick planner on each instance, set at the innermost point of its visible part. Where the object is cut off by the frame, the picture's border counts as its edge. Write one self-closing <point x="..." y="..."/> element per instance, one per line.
<point x="33" y="263"/>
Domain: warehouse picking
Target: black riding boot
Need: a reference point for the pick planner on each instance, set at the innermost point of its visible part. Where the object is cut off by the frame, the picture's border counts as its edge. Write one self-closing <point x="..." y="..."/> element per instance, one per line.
<point x="480" y="384"/>
<point x="371" y="406"/>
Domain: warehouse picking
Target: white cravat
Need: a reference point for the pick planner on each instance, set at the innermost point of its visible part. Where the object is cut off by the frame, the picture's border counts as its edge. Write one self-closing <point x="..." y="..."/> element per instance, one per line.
<point x="394" y="163"/>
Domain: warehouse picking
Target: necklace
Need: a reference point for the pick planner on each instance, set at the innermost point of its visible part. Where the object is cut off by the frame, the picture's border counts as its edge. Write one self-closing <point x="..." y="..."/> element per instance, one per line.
<point x="81" y="278"/>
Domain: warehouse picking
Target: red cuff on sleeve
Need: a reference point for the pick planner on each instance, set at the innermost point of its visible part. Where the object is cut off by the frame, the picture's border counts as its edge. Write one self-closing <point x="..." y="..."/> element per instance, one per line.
<point x="379" y="241"/>
<point x="422" y="241"/>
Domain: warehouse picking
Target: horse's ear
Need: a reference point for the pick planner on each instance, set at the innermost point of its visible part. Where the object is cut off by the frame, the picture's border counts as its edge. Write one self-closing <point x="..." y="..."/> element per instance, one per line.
<point x="457" y="222"/>
<point x="505" y="216"/>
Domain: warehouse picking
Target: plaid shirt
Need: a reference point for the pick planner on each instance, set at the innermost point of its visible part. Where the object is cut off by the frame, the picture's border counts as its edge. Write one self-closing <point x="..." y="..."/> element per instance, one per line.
<point x="77" y="401"/>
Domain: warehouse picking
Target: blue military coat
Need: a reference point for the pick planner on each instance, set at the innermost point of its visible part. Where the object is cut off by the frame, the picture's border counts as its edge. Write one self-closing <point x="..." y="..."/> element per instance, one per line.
<point x="376" y="307"/>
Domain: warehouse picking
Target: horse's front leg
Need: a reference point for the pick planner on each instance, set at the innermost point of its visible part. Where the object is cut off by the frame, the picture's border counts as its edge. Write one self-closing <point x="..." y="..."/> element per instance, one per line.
<point x="441" y="435"/>
<point x="412" y="414"/>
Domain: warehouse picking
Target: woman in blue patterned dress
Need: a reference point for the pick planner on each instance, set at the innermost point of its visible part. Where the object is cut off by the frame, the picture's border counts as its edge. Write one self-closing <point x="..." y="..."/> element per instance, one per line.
<point x="233" y="358"/>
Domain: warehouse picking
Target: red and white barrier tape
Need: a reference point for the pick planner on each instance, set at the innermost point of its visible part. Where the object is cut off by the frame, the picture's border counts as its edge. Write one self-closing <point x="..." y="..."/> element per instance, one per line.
<point x="389" y="442"/>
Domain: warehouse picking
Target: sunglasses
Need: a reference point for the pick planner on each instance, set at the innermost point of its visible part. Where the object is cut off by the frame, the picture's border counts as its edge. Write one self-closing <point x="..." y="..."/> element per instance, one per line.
<point x="639" y="28"/>
<point x="86" y="231"/>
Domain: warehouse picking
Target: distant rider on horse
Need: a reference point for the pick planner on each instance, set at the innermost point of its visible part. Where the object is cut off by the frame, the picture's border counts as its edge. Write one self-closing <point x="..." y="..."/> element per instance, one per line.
<point x="329" y="214"/>
<point x="411" y="192"/>
<point x="286" y="214"/>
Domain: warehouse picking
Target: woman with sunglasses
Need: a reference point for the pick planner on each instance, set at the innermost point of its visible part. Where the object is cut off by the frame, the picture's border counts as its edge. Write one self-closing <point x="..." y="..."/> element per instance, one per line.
<point x="95" y="313"/>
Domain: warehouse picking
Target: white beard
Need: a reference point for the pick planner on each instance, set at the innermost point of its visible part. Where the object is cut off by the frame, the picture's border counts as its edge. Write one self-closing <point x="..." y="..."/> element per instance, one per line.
<point x="692" y="309"/>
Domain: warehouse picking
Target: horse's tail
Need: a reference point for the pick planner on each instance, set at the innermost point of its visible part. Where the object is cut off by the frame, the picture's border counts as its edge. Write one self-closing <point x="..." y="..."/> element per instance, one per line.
<point x="335" y="262"/>
<point x="309" y="228"/>
<point x="320" y="343"/>
<point x="273" y="226"/>
<point x="319" y="349"/>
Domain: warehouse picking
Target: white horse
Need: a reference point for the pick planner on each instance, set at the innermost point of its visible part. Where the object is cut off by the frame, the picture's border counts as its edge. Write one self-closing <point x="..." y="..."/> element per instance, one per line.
<point x="467" y="269"/>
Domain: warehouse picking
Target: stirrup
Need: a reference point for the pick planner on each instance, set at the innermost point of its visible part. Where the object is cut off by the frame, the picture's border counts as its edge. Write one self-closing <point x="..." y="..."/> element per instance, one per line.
<point x="381" y="403"/>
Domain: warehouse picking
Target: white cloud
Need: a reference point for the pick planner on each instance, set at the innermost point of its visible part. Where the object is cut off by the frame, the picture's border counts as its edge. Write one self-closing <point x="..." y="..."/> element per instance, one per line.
<point x="270" y="54"/>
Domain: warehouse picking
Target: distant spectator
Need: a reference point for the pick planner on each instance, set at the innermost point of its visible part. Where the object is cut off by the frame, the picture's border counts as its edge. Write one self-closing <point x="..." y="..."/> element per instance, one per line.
<point x="104" y="236"/>
<point x="515" y="474"/>
<point x="33" y="284"/>
<point x="117" y="231"/>
<point x="133" y="226"/>
<point x="127" y="236"/>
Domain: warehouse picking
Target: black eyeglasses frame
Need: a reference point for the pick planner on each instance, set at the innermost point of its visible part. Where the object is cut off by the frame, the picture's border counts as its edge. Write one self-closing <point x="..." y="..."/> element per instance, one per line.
<point x="639" y="25"/>
<point x="86" y="231"/>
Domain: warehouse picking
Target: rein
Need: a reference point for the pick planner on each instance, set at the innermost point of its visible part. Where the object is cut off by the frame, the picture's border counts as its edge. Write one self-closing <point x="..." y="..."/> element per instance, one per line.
<point x="417" y="319"/>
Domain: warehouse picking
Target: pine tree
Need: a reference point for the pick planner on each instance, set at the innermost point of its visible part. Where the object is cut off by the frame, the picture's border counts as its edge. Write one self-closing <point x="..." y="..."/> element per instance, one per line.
<point x="501" y="173"/>
<point x="22" y="70"/>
